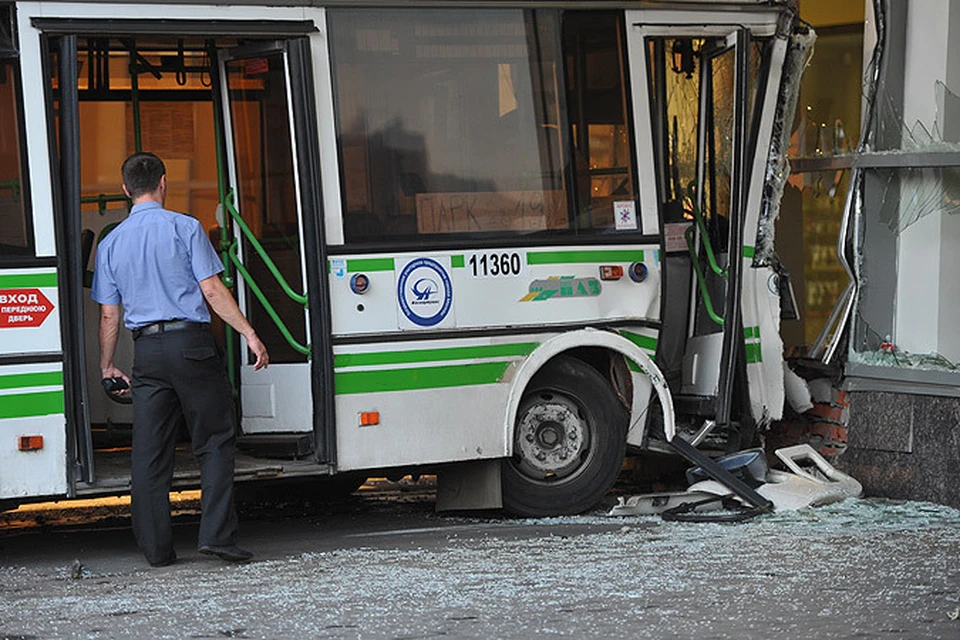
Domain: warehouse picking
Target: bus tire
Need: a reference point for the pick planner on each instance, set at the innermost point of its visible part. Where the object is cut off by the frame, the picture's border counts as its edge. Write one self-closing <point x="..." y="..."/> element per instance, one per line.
<point x="569" y="442"/>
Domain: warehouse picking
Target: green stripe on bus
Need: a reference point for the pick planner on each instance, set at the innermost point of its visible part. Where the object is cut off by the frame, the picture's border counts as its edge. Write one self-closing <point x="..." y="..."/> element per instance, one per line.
<point x="419" y="378"/>
<point x="584" y="256"/>
<point x="370" y="264"/>
<point x="754" y="354"/>
<point x="365" y="264"/>
<point x="26" y="405"/>
<point x="20" y="380"/>
<point x="456" y="262"/>
<point x="748" y="251"/>
<point x="24" y="280"/>
<point x="342" y="360"/>
<point x="751" y="332"/>
<point x="644" y="342"/>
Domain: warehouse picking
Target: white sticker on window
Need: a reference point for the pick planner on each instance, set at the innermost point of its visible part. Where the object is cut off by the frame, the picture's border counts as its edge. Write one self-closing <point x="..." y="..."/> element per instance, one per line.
<point x="625" y="214"/>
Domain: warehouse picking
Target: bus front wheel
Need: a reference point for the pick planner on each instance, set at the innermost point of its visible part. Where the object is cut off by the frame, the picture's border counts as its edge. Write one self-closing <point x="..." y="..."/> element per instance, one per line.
<point x="569" y="442"/>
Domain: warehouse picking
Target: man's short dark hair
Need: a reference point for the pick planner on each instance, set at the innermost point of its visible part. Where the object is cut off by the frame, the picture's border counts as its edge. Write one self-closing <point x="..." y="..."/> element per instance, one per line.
<point x="142" y="173"/>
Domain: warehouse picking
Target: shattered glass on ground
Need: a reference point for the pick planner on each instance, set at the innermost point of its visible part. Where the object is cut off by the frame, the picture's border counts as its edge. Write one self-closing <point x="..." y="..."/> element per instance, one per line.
<point x="860" y="568"/>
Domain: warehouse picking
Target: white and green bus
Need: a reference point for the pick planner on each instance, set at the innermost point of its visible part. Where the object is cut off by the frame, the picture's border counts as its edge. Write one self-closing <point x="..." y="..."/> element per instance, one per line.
<point x="506" y="242"/>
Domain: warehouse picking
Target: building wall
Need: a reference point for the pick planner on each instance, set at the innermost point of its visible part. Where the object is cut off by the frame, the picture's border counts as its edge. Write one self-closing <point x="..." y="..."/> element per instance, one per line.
<point x="905" y="446"/>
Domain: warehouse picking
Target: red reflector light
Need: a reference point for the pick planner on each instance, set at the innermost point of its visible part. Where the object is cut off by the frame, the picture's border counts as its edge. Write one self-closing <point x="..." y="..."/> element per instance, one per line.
<point x="30" y="443"/>
<point x="369" y="418"/>
<point x="611" y="272"/>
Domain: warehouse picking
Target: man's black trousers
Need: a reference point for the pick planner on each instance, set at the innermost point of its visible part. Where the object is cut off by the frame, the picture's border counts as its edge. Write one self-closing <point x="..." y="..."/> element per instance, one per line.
<point x="181" y="373"/>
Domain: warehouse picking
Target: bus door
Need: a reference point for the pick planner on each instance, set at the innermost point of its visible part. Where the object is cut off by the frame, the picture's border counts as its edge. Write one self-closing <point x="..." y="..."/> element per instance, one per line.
<point x="271" y="219"/>
<point x="696" y="86"/>
<point x="712" y="200"/>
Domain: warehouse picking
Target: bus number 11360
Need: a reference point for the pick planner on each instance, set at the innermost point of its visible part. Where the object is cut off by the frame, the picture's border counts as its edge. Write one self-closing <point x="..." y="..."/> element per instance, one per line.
<point x="493" y="265"/>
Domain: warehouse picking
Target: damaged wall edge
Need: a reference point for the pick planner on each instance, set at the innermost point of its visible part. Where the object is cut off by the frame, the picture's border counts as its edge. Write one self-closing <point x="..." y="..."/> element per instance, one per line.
<point x="866" y="377"/>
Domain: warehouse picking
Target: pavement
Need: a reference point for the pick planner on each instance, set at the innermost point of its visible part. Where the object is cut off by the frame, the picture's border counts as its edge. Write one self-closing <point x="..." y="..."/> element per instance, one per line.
<point x="391" y="568"/>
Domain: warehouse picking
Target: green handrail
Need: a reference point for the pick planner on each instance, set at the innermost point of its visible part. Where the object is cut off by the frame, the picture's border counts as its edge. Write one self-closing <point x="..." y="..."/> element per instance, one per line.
<point x="293" y="295"/>
<point x="266" y="304"/>
<point x="707" y="245"/>
<point x="701" y="279"/>
<point x="102" y="199"/>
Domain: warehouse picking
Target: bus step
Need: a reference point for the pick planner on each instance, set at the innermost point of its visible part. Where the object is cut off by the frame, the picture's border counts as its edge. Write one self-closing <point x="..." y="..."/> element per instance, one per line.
<point x="276" y="445"/>
<point x="704" y="406"/>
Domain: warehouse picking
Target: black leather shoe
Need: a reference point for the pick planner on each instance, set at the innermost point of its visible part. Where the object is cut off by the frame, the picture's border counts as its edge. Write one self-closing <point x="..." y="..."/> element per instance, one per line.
<point x="230" y="553"/>
<point x="166" y="562"/>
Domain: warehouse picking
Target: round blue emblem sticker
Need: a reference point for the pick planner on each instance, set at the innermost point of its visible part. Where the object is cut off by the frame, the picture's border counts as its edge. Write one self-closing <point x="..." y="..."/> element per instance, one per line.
<point x="425" y="292"/>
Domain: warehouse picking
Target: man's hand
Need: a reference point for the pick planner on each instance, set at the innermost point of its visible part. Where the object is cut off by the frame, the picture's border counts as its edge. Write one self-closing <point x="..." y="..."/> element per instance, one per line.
<point x="259" y="350"/>
<point x="113" y="372"/>
<point x="109" y="328"/>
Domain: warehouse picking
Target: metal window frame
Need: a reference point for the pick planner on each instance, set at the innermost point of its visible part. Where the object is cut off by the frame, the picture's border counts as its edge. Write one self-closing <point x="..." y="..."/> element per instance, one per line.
<point x="29" y="256"/>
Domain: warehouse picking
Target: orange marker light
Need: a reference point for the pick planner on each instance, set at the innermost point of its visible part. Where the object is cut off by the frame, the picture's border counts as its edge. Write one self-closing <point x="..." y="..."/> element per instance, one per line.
<point x="30" y="443"/>
<point x="369" y="418"/>
<point x="611" y="272"/>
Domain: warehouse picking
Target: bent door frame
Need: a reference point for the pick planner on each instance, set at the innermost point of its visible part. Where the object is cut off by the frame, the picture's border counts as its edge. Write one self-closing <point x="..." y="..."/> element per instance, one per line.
<point x="738" y="28"/>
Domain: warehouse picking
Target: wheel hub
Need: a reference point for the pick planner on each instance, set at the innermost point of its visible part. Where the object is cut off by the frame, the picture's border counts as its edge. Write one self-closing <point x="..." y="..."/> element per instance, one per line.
<point x="551" y="438"/>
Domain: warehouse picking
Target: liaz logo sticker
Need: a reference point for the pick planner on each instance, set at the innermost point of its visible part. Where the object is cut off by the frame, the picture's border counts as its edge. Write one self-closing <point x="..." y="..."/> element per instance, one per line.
<point x="424" y="292"/>
<point x="562" y="287"/>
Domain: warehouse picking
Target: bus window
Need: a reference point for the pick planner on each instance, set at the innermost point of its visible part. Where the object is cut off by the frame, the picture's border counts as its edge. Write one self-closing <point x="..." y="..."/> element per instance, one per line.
<point x="597" y="103"/>
<point x="678" y="66"/>
<point x="693" y="78"/>
<point x="16" y="239"/>
<point x="449" y="122"/>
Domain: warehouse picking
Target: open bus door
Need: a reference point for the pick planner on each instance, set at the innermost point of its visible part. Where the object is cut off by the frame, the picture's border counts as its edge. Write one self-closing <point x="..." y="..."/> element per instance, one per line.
<point x="715" y="201"/>
<point x="272" y="224"/>
<point x="64" y="91"/>
<point x="698" y="78"/>
<point x="710" y="90"/>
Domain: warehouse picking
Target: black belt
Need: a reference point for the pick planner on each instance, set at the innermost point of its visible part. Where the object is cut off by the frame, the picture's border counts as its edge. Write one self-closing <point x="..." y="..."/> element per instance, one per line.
<point x="167" y="325"/>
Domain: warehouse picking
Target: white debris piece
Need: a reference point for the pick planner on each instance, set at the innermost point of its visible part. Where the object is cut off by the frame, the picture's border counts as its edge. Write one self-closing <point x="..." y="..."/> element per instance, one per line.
<point x="804" y="485"/>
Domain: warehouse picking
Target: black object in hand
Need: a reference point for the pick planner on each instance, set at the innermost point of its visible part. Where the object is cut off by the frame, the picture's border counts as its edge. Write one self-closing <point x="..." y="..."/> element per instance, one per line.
<point x="114" y="384"/>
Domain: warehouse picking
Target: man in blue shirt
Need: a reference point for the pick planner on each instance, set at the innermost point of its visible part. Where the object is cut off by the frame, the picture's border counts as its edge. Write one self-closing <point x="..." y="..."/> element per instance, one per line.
<point x="161" y="267"/>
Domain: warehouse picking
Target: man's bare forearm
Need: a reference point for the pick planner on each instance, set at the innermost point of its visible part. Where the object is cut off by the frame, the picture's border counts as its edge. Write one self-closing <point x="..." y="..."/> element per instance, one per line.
<point x="223" y="304"/>
<point x="109" y="332"/>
